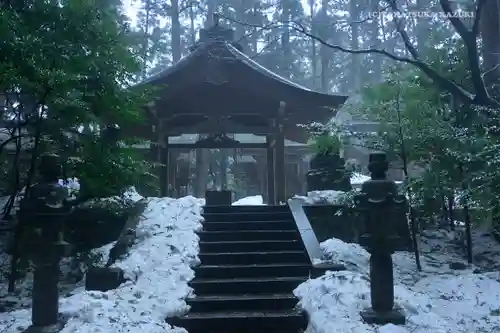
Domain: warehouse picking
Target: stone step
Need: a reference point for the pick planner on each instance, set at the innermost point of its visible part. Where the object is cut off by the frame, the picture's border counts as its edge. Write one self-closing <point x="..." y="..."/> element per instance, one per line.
<point x="251" y="246"/>
<point x="245" y="209"/>
<point x="242" y="322"/>
<point x="251" y="271"/>
<point x="242" y="303"/>
<point x="254" y="225"/>
<point x="253" y="235"/>
<point x="248" y="216"/>
<point x="249" y="258"/>
<point x="244" y="286"/>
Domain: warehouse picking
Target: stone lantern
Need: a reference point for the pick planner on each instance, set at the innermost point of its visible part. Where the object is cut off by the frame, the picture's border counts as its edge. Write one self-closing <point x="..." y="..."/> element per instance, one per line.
<point x="42" y="213"/>
<point x="384" y="212"/>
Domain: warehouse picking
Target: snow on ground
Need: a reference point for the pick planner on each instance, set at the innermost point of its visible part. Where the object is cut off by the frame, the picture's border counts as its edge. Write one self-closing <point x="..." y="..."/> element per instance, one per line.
<point x="436" y="300"/>
<point x="159" y="268"/>
<point x="21" y="298"/>
<point x="255" y="200"/>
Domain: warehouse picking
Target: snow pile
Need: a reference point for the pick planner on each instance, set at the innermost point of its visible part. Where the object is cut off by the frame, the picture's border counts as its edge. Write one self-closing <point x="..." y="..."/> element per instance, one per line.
<point x="321" y="197"/>
<point x="159" y="269"/>
<point x="255" y="200"/>
<point x="73" y="186"/>
<point x="132" y="194"/>
<point x="436" y="300"/>
<point x="358" y="178"/>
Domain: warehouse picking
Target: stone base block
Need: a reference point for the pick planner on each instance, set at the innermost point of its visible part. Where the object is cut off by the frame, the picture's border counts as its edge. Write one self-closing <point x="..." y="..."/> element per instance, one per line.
<point x="45" y="329"/>
<point x="103" y="278"/>
<point x="320" y="269"/>
<point x="395" y="316"/>
<point x="218" y="198"/>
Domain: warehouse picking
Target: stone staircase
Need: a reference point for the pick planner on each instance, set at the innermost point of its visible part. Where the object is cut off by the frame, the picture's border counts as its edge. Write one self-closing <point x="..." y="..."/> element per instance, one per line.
<point x="252" y="258"/>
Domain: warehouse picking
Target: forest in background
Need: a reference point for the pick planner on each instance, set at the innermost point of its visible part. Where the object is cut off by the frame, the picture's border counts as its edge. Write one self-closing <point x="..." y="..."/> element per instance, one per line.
<point x="405" y="68"/>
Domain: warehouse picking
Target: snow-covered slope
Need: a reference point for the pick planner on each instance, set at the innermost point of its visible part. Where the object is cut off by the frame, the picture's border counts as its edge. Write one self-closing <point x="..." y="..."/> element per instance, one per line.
<point x="436" y="300"/>
<point x="159" y="268"/>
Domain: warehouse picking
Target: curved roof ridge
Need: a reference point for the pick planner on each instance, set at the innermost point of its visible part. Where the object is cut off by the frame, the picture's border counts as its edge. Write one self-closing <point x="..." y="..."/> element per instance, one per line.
<point x="255" y="65"/>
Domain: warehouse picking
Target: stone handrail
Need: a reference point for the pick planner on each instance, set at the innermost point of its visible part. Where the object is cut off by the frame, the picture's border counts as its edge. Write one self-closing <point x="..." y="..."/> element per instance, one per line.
<point x="310" y="240"/>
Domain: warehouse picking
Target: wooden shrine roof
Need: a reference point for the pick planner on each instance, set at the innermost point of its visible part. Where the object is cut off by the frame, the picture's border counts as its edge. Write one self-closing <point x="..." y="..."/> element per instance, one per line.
<point x="223" y="62"/>
<point x="217" y="80"/>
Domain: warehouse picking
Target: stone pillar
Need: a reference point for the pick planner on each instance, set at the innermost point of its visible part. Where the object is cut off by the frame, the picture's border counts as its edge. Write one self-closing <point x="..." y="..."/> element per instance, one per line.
<point x="43" y="212"/>
<point x="384" y="211"/>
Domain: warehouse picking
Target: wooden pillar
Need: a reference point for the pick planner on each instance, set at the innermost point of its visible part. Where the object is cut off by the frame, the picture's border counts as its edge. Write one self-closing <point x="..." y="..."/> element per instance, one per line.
<point x="271" y="197"/>
<point x="201" y="172"/>
<point x="279" y="163"/>
<point x="261" y="174"/>
<point x="164" y="160"/>
<point x="223" y="168"/>
<point x="304" y="168"/>
<point x="172" y="170"/>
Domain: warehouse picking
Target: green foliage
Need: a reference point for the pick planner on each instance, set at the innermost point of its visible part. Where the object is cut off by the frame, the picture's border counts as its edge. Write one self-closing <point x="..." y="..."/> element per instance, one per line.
<point x="326" y="144"/>
<point x="446" y="145"/>
<point x="71" y="62"/>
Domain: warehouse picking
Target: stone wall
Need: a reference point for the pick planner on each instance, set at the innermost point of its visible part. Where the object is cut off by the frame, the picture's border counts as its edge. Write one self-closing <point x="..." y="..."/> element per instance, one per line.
<point x="344" y="223"/>
<point x="336" y="221"/>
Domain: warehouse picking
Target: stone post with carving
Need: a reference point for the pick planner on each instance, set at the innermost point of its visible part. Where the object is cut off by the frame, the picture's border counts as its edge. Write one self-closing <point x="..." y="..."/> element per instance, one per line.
<point x="43" y="212"/>
<point x="383" y="211"/>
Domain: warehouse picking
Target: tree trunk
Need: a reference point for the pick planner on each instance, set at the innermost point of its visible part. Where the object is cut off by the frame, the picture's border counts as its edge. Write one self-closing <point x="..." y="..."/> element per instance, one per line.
<point x="175" y="31"/>
<point x="240" y="33"/>
<point x="422" y="26"/>
<point x="375" y="42"/>
<point x="314" y="64"/>
<point x="285" y="40"/>
<point x="355" y="58"/>
<point x="211" y="9"/>
<point x="490" y="33"/>
<point x="254" y="40"/>
<point x="324" y="51"/>
<point x="145" y="42"/>
<point x="192" y="29"/>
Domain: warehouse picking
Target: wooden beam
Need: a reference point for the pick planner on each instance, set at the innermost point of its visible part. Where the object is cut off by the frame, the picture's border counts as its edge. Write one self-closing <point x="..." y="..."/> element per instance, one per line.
<point x="212" y="146"/>
<point x="213" y="125"/>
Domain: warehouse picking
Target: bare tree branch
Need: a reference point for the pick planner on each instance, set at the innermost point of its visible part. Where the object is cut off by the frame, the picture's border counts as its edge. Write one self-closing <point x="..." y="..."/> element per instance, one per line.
<point x="402" y="32"/>
<point x="444" y="83"/>
<point x="457" y="23"/>
<point x="481" y="97"/>
<point x="470" y="41"/>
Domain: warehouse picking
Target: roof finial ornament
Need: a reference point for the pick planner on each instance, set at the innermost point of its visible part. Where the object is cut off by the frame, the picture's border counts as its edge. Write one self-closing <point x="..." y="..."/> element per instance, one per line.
<point x="216" y="18"/>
